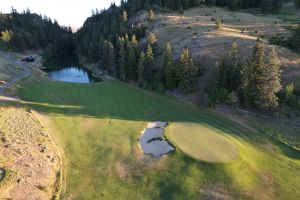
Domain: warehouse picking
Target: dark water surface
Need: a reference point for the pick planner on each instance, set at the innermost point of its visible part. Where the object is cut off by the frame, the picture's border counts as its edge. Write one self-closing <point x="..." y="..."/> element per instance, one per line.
<point x="68" y="69"/>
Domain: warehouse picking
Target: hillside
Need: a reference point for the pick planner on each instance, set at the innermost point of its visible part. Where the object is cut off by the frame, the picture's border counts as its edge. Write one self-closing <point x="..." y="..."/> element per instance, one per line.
<point x="170" y="100"/>
<point x="107" y="42"/>
<point x="196" y="31"/>
<point x="30" y="31"/>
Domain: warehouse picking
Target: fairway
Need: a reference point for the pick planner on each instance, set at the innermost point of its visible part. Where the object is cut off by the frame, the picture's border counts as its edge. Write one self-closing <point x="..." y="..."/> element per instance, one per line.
<point x="97" y="127"/>
<point x="203" y="143"/>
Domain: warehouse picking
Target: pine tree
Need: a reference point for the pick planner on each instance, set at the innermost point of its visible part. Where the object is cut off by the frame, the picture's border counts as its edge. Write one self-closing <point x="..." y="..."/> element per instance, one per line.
<point x="273" y="83"/>
<point x="151" y="15"/>
<point x="105" y="54"/>
<point x="188" y="73"/>
<point x="169" y="67"/>
<point x="233" y="4"/>
<point x="295" y="40"/>
<point x="121" y="61"/>
<point x="210" y="2"/>
<point x="111" y="59"/>
<point x="146" y="4"/>
<point x="152" y="38"/>
<point x="276" y="5"/>
<point x="126" y="39"/>
<point x="149" y="70"/>
<point x="149" y="54"/>
<point x="229" y="70"/>
<point x="125" y="16"/>
<point x="266" y="5"/>
<point x="141" y="68"/>
<point x="252" y="78"/>
<point x="297" y="3"/>
<point x="261" y="79"/>
<point x="134" y="41"/>
<point x="132" y="62"/>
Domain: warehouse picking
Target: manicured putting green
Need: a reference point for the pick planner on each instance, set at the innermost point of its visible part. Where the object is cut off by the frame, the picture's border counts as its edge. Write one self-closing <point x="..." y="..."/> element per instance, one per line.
<point x="203" y="143"/>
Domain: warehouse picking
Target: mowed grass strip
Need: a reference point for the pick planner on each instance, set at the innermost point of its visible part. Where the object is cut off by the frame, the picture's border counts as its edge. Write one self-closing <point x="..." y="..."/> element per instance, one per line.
<point x="98" y="126"/>
<point x="203" y="143"/>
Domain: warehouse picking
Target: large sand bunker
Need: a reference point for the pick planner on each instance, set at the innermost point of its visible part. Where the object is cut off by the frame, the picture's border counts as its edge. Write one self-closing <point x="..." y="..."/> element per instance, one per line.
<point x="152" y="140"/>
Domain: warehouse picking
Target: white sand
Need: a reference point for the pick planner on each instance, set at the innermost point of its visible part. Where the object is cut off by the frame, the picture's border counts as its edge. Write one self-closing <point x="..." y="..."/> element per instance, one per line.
<point x="157" y="124"/>
<point x="159" y="145"/>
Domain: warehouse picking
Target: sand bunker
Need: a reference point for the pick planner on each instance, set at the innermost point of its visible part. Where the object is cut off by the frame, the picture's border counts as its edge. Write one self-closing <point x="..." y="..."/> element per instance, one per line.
<point x="157" y="124"/>
<point x="152" y="140"/>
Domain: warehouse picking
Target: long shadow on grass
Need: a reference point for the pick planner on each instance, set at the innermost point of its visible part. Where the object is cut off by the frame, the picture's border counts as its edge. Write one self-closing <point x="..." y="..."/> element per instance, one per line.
<point x="115" y="100"/>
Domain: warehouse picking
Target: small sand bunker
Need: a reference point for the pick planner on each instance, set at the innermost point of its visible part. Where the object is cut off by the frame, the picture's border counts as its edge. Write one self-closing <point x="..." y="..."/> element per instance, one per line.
<point x="152" y="140"/>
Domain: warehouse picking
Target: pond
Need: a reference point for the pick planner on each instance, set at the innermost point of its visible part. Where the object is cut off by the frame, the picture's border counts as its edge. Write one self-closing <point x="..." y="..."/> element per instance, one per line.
<point x="68" y="69"/>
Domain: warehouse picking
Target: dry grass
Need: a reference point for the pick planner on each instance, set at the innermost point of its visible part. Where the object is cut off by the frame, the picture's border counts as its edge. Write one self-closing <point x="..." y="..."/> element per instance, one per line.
<point x="26" y="152"/>
<point x="207" y="44"/>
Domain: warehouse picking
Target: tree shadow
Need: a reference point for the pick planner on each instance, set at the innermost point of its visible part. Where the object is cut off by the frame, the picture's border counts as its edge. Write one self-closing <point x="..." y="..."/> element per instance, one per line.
<point x="116" y="100"/>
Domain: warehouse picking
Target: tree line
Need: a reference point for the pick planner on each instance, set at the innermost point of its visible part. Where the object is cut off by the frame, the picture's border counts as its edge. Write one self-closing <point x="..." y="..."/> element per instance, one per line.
<point x="255" y="84"/>
<point x="128" y="61"/>
<point x="265" y="5"/>
<point x="26" y="31"/>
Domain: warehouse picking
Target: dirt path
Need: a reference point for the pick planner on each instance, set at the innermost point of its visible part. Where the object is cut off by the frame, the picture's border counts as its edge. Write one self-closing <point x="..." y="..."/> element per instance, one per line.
<point x="28" y="72"/>
<point x="27" y="151"/>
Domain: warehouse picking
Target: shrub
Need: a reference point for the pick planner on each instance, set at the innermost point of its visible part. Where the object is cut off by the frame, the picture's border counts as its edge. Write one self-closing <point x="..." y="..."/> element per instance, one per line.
<point x="286" y="93"/>
<point x="189" y="26"/>
<point x="233" y="99"/>
<point x="221" y="95"/>
<point x="219" y="23"/>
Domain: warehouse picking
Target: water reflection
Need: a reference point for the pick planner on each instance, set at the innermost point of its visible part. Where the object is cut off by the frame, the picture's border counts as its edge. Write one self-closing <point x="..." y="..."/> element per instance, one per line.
<point x="68" y="69"/>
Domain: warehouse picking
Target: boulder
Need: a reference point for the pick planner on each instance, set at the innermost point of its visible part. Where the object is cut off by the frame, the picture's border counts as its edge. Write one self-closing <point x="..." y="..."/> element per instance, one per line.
<point x="2" y="174"/>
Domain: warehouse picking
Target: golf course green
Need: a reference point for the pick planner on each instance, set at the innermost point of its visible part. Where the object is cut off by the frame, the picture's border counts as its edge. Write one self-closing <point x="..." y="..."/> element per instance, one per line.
<point x="97" y="126"/>
<point x="203" y="143"/>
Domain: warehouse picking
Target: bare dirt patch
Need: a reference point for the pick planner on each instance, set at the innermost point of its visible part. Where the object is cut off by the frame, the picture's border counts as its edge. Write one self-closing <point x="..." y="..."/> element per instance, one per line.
<point x="213" y="193"/>
<point x="139" y="163"/>
<point x="28" y="155"/>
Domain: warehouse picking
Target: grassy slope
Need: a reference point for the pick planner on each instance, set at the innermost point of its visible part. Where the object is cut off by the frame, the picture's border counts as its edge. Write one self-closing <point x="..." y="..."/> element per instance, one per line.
<point x="98" y="125"/>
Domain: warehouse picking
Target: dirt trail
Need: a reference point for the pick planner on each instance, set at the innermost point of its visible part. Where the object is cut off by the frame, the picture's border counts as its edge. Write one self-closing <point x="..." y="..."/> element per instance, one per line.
<point x="27" y="152"/>
<point x="28" y="72"/>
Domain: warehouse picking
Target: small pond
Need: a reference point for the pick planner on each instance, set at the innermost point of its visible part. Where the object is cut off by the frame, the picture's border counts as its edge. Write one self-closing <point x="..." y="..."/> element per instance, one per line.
<point x="68" y="69"/>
